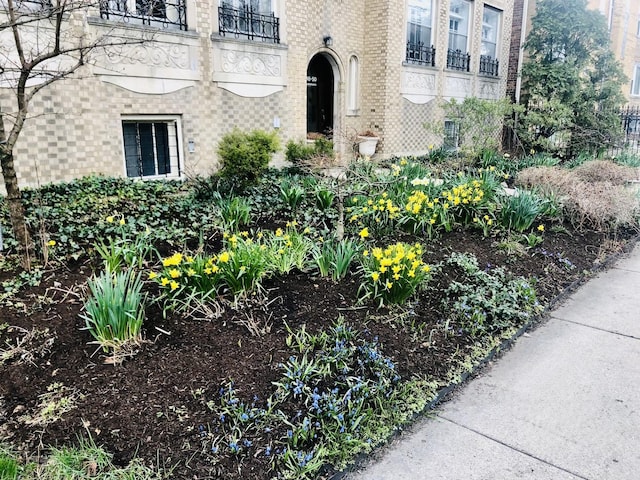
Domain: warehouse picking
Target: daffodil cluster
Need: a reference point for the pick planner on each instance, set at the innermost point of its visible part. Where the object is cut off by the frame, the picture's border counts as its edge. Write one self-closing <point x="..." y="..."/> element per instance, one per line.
<point x="379" y="212"/>
<point x="393" y="273"/>
<point x="239" y="268"/>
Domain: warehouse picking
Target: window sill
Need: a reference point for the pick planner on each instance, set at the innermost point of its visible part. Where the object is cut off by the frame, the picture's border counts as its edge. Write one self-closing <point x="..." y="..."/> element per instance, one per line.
<point x="217" y="38"/>
<point x="425" y="66"/>
<point x="116" y="22"/>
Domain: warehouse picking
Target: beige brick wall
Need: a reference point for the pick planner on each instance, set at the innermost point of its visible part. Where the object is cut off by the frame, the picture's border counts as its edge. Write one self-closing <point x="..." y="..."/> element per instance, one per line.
<point x="75" y="125"/>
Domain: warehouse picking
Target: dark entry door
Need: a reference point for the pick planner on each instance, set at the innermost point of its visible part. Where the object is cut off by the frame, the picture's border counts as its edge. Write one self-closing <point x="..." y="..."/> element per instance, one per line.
<point x="319" y="95"/>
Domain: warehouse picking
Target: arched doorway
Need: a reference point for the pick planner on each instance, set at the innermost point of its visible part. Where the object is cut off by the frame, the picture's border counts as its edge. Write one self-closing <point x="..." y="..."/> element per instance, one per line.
<point x="320" y="95"/>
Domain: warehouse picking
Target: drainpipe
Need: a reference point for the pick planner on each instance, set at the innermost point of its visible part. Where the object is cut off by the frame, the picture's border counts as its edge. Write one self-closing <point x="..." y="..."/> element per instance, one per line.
<point x="611" y="5"/>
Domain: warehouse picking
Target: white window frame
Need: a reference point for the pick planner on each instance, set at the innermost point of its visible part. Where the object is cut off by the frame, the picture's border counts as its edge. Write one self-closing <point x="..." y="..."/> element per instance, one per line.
<point x="635" y="81"/>
<point x="487" y="26"/>
<point x="412" y="6"/>
<point x="237" y="4"/>
<point x="456" y="17"/>
<point x="174" y="123"/>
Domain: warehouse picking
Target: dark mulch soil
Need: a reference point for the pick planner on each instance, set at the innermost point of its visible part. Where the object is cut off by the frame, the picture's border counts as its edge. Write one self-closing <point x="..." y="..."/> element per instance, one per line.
<point x="152" y="405"/>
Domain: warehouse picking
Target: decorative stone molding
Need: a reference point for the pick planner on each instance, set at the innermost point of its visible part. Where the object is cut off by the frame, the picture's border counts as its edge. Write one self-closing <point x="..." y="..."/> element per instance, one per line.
<point x="457" y="86"/>
<point x="156" y="54"/>
<point x="249" y="63"/>
<point x="248" y="69"/>
<point x="489" y="89"/>
<point x="164" y="65"/>
<point x="417" y="86"/>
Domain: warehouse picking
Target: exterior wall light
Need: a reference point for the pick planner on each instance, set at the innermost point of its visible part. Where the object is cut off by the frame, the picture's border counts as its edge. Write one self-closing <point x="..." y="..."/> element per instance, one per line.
<point x="328" y="41"/>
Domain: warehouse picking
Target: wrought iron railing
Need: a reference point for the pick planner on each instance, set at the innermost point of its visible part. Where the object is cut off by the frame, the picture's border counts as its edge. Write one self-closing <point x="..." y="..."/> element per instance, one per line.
<point x="161" y="13"/>
<point x="489" y="66"/>
<point x="421" y="54"/>
<point x="245" y="22"/>
<point x="457" y="60"/>
<point x="34" y="6"/>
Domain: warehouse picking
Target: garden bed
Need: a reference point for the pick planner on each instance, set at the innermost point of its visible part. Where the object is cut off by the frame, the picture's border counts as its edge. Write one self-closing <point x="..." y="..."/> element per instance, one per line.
<point x="166" y="402"/>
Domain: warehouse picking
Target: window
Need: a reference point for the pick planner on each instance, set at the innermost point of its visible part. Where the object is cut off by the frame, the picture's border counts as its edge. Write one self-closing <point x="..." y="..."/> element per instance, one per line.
<point x="352" y="87"/>
<point x="151" y="147"/>
<point x="489" y="46"/>
<point x="635" y="83"/>
<point x="159" y="13"/>
<point x="451" y="135"/>
<point x="419" y="32"/>
<point x="253" y="19"/>
<point x="458" y="57"/>
<point x="459" y="25"/>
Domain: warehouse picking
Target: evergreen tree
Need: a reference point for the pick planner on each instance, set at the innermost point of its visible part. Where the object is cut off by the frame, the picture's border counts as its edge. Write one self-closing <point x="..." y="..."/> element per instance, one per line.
<point x="571" y="80"/>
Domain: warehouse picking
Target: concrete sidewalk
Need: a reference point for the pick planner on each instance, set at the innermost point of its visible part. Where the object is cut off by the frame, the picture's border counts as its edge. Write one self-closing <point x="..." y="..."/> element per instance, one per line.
<point x="563" y="403"/>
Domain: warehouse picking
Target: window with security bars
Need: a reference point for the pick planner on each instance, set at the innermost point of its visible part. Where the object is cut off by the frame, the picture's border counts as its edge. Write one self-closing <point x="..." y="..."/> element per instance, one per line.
<point x="451" y="135"/>
<point x="419" y="32"/>
<point x="171" y="14"/>
<point x="254" y="19"/>
<point x="151" y="148"/>
<point x="489" y="46"/>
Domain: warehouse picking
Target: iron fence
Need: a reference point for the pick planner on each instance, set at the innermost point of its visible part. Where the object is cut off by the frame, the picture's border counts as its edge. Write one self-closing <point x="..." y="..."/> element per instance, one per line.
<point x="630" y="119"/>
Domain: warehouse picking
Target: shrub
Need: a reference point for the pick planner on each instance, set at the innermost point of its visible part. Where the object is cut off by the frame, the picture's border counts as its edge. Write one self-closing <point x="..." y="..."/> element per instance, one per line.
<point x="244" y="156"/>
<point x="115" y="309"/>
<point x="600" y="205"/>
<point x="605" y="171"/>
<point x="300" y="151"/>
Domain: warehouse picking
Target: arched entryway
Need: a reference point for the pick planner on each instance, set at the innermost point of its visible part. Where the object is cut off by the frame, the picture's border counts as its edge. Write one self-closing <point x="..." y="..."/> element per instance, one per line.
<point x="321" y="88"/>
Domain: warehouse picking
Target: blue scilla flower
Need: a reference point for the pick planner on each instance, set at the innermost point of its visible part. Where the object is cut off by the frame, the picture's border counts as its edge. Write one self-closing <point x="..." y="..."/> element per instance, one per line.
<point x="222" y="417"/>
<point x="247" y="443"/>
<point x="214" y="449"/>
<point x="244" y="417"/>
<point x="233" y="446"/>
<point x="267" y="451"/>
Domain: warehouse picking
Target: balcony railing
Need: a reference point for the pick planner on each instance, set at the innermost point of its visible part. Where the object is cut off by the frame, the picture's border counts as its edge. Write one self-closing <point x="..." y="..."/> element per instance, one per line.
<point x="41" y="7"/>
<point x="488" y="66"/>
<point x="421" y="54"/>
<point x="246" y="23"/>
<point x="456" y="60"/>
<point x="159" y="13"/>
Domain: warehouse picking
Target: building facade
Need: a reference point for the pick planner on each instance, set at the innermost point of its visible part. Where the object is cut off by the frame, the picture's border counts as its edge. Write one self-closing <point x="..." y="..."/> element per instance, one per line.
<point x="157" y="109"/>
<point x="623" y="18"/>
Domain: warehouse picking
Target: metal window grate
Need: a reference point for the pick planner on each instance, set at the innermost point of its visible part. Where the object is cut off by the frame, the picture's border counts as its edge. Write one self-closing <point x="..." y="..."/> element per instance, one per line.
<point x="489" y="66"/>
<point x="161" y="13"/>
<point x="246" y="22"/>
<point x="421" y="54"/>
<point x="457" y="60"/>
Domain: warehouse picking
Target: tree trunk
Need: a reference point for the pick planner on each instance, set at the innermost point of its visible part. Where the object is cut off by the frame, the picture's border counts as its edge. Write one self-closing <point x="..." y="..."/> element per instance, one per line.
<point x="14" y="197"/>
